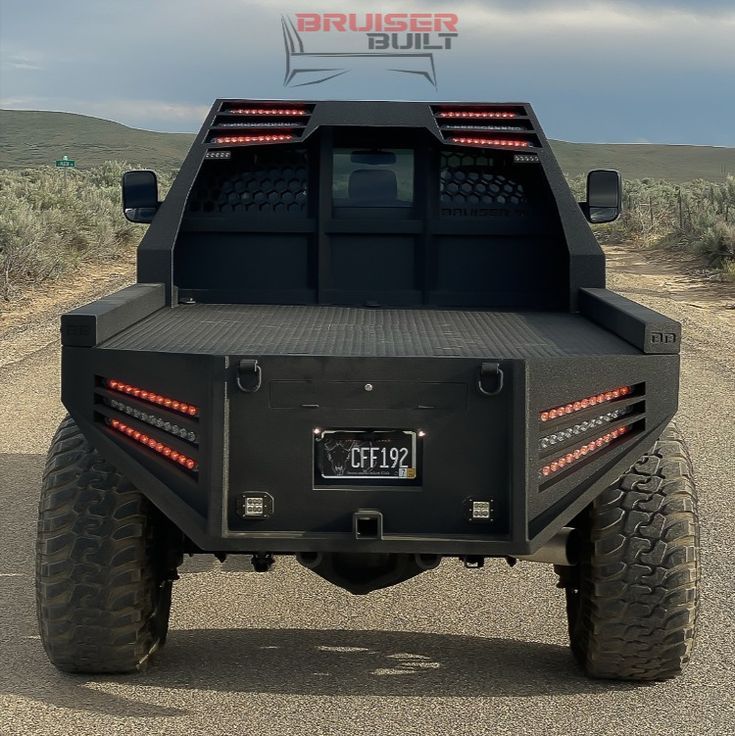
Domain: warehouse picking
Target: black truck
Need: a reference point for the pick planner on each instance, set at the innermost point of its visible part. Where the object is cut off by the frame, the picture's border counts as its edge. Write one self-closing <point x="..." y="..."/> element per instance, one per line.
<point x="371" y="335"/>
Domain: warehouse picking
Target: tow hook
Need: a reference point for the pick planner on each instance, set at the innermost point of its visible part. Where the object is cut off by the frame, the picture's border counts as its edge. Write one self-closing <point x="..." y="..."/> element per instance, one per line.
<point x="249" y="376"/>
<point x="492" y="378"/>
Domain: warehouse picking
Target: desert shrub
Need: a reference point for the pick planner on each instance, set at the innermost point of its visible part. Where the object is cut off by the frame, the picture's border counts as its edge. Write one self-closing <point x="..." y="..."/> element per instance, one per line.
<point x="698" y="216"/>
<point x="718" y="243"/>
<point x="51" y="222"/>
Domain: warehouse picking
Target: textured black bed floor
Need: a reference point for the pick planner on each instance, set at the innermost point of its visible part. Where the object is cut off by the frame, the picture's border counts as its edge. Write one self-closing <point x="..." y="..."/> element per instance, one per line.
<point x="347" y="331"/>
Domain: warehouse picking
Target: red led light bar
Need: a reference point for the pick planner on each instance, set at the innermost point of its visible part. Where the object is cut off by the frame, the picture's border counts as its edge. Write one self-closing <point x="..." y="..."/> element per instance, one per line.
<point x="476" y="115"/>
<point x="491" y="142"/>
<point x="286" y="111"/>
<point x="573" y="456"/>
<point x="152" y="398"/>
<point x="253" y="138"/>
<point x="576" y="406"/>
<point x="154" y="444"/>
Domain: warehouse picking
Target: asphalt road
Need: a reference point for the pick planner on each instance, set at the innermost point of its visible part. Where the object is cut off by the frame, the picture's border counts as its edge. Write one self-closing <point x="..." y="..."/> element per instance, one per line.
<point x="451" y="652"/>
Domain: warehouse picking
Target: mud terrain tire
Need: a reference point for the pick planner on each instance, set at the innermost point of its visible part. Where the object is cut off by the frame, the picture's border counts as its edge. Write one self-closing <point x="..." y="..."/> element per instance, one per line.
<point x="105" y="559"/>
<point x="632" y="602"/>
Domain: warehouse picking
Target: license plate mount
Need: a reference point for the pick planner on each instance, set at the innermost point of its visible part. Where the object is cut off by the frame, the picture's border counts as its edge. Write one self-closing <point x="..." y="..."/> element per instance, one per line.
<point x="367" y="457"/>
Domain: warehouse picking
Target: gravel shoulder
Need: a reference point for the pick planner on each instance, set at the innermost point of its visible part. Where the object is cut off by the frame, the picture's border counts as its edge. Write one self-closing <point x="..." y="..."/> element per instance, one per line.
<point x="31" y="323"/>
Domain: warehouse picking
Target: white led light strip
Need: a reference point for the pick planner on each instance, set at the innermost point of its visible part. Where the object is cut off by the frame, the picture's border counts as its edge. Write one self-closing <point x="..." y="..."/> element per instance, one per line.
<point x="575" y="455"/>
<point x="154" y="420"/>
<point x="578" y="429"/>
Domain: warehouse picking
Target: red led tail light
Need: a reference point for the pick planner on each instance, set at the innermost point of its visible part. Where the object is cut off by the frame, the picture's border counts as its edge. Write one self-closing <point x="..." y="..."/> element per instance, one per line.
<point x="152" y="443"/>
<point x="286" y="111"/>
<point x="498" y="142"/>
<point x="280" y="138"/>
<point x="477" y="115"/>
<point x="152" y="398"/>
<point x="573" y="456"/>
<point x="586" y="403"/>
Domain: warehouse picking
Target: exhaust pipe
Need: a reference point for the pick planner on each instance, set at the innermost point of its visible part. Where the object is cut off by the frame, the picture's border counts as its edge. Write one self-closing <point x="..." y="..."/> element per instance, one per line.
<point x="561" y="549"/>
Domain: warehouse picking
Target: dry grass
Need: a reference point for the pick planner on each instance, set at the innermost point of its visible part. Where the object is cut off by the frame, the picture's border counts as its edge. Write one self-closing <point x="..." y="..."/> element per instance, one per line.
<point x="697" y="217"/>
<point x="51" y="223"/>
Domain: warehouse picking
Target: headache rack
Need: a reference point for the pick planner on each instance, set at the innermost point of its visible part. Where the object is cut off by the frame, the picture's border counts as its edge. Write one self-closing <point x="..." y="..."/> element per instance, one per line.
<point x="371" y="204"/>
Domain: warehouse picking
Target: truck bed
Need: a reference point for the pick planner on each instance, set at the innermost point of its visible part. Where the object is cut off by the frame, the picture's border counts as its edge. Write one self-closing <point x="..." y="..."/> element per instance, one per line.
<point x="355" y="332"/>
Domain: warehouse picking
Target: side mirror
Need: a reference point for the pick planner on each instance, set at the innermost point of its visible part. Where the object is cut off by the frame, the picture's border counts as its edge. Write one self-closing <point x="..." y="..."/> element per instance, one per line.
<point x="604" y="196"/>
<point x="140" y="195"/>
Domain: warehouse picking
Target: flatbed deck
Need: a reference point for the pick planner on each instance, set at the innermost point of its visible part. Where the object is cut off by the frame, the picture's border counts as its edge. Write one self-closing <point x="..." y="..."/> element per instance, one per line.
<point x="362" y="332"/>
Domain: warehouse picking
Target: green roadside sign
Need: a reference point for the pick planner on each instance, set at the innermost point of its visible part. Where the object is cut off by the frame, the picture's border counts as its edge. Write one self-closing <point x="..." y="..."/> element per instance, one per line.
<point x="66" y="163"/>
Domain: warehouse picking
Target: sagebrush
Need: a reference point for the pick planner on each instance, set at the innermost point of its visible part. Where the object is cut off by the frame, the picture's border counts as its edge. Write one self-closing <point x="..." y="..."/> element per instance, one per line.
<point x="698" y="216"/>
<point x="51" y="222"/>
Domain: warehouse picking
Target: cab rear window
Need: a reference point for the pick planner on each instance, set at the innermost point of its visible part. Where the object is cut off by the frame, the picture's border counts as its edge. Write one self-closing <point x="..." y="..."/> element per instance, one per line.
<point x="373" y="177"/>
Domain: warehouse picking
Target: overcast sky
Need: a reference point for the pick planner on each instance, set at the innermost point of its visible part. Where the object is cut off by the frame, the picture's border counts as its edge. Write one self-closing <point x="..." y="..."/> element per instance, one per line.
<point x="616" y="71"/>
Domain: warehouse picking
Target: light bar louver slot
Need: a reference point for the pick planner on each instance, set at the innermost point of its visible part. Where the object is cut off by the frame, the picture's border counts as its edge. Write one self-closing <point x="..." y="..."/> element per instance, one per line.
<point x="494" y="142"/>
<point x="484" y="128"/>
<point x="153" y="444"/>
<point x="269" y="111"/>
<point x="154" y="420"/>
<point x="260" y="125"/>
<point x="269" y="138"/>
<point x="573" y="407"/>
<point x="476" y="114"/>
<point x="151" y="397"/>
<point x="583" y="427"/>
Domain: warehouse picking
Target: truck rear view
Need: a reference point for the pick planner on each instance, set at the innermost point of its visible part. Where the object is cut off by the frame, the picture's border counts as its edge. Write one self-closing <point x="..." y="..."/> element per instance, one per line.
<point x="372" y="335"/>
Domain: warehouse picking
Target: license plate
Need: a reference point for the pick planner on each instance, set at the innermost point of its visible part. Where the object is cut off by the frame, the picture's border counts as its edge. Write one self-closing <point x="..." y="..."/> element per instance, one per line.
<point x="364" y="455"/>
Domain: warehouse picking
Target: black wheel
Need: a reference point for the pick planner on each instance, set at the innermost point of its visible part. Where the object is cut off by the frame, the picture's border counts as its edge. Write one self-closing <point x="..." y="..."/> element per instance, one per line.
<point x="105" y="559"/>
<point x="632" y="601"/>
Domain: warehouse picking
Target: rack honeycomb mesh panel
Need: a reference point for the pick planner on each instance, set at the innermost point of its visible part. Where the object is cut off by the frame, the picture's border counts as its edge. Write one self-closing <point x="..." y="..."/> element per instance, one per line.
<point x="465" y="180"/>
<point x="270" y="181"/>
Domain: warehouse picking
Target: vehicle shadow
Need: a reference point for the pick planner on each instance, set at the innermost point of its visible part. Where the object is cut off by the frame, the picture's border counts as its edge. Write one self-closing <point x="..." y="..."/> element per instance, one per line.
<point x="312" y="663"/>
<point x="366" y="662"/>
<point x="276" y="661"/>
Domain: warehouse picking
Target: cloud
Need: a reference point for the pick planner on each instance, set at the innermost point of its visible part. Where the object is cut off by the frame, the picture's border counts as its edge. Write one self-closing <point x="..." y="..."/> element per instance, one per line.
<point x="18" y="103"/>
<point x="20" y="62"/>
<point x="595" y="70"/>
<point x="691" y="7"/>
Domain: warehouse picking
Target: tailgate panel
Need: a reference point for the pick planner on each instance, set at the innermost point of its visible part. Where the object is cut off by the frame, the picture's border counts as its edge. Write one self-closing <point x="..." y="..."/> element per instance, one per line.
<point x="466" y="449"/>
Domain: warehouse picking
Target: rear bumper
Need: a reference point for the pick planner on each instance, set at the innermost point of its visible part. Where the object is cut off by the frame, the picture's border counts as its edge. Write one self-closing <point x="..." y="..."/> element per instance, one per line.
<point x="476" y="447"/>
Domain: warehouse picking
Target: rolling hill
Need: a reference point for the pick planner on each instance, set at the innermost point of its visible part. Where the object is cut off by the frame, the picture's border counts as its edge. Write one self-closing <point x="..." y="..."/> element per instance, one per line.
<point x="35" y="138"/>
<point x="648" y="160"/>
